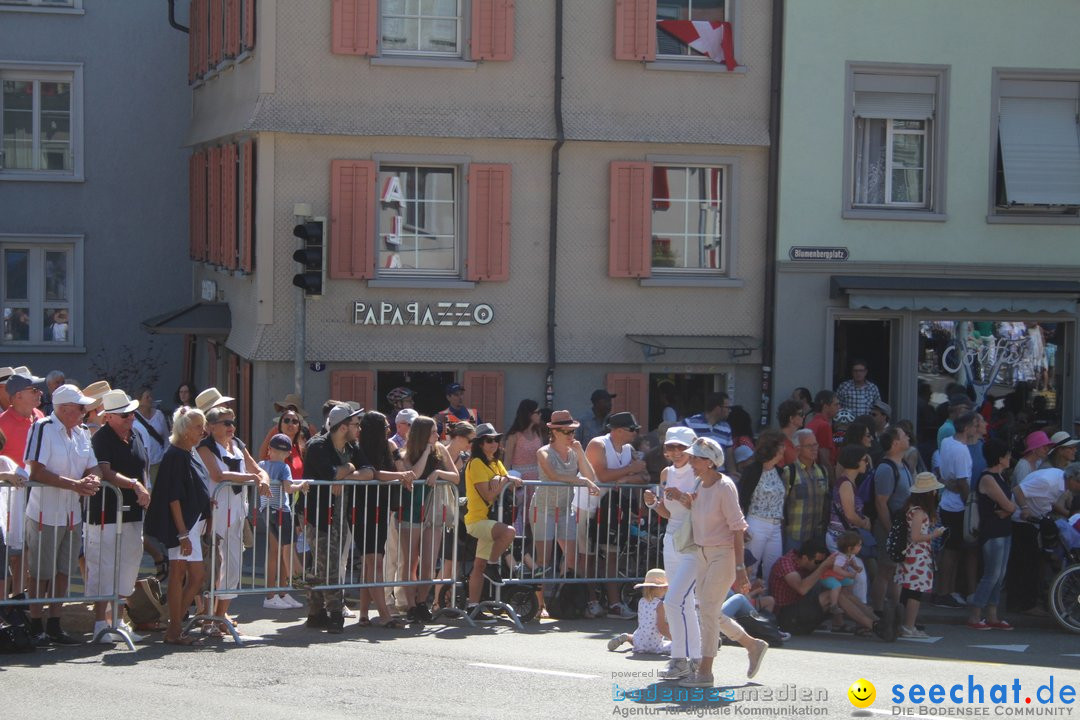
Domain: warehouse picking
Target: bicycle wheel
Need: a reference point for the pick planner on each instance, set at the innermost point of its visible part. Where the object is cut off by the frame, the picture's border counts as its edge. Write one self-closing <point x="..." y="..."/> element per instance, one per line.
<point x="1065" y="598"/>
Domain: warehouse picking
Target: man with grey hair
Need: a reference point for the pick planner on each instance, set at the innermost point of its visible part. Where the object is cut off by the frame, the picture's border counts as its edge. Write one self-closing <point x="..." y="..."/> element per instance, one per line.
<point x="53" y="380"/>
<point x="956" y="474"/>
<point x="807" y="485"/>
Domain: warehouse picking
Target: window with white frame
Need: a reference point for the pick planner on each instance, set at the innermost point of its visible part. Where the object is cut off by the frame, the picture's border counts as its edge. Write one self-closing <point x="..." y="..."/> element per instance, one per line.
<point x="39" y="122"/>
<point x="38" y="281"/>
<point x="421" y="27"/>
<point x="894" y="140"/>
<point x="418" y="220"/>
<point x="1037" y="153"/>
<point x="670" y="41"/>
<point x="688" y="218"/>
<point x="45" y="3"/>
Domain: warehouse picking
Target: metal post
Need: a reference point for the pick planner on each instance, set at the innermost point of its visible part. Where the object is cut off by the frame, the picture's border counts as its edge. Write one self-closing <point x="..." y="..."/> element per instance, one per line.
<point x="299" y="340"/>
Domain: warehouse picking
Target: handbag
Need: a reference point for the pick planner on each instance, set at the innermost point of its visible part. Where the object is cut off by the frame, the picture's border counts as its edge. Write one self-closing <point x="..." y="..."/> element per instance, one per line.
<point x="971" y="517"/>
<point x="684" y="536"/>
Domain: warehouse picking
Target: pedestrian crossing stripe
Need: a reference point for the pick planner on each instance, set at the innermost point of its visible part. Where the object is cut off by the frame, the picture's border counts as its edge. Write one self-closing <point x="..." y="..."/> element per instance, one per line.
<point x="1005" y="648"/>
<point x="925" y="641"/>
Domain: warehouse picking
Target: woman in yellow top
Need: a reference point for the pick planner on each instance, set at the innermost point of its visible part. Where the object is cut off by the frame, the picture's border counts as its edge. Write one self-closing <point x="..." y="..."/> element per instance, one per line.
<point x="485" y="479"/>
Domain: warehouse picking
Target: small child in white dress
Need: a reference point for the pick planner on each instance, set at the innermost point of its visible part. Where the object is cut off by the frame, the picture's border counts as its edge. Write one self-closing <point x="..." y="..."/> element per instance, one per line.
<point x="652" y="635"/>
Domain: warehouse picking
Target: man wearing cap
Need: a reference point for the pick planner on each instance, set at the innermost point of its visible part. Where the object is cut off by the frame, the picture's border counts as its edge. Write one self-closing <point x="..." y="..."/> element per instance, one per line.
<point x="593" y="422"/>
<point x="124" y="464"/>
<point x="613" y="461"/>
<point x="881" y="412"/>
<point x="456" y="411"/>
<point x="1036" y="449"/>
<point x="402" y="422"/>
<point x="60" y="457"/>
<point x="712" y="423"/>
<point x="858" y="394"/>
<point x="15" y="423"/>
<point x="957" y="476"/>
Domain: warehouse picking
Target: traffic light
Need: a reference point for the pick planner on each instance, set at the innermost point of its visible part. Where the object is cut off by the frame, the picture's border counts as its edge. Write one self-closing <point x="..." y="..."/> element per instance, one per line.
<point x="310" y="257"/>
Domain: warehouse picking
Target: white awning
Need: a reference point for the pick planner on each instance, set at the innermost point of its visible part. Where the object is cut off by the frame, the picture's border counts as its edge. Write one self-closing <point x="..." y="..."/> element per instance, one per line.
<point x="1040" y="150"/>
<point x="1031" y="304"/>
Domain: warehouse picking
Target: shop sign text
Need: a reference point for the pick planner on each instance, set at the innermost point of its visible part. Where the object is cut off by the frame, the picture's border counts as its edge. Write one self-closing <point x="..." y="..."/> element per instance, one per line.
<point x="436" y="314"/>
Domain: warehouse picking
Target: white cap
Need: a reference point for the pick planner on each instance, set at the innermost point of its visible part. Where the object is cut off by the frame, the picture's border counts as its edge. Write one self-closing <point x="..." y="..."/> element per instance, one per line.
<point x="406" y="416"/>
<point x="66" y="394"/>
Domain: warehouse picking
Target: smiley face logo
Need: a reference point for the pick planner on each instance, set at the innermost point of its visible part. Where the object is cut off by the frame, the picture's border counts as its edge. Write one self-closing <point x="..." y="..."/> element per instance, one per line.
<point x="862" y="693"/>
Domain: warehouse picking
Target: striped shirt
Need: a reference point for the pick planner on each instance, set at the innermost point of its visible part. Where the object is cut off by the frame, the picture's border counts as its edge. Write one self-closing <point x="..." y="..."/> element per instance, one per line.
<point x="720" y="432"/>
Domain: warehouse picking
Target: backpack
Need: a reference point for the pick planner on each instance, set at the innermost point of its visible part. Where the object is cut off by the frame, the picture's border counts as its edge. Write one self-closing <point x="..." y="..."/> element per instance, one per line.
<point x="14" y="631"/>
<point x="566" y="600"/>
<point x="897" y="542"/>
<point x="763" y="626"/>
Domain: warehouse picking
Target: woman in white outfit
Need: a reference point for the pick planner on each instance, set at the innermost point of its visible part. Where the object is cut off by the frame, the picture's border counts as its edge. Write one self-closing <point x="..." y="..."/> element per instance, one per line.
<point x="228" y="460"/>
<point x="761" y="496"/>
<point x="678" y="483"/>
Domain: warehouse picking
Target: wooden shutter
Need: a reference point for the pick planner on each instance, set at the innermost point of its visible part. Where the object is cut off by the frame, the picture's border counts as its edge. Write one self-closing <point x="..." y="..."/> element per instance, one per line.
<point x="492" y="29"/>
<point x="194" y="246"/>
<point x="484" y="391"/>
<point x="249" y="24"/>
<point x="352" y="219"/>
<point x="216" y="20"/>
<point x="213" y="199"/>
<point x="232" y="375"/>
<point x="232" y="28"/>
<point x="229" y="215"/>
<point x="630" y="240"/>
<point x="198" y="210"/>
<point x="355" y="25"/>
<point x="247" y="238"/>
<point x="355" y="385"/>
<point x="632" y="394"/>
<point x="635" y="29"/>
<point x="200" y="25"/>
<point x="489" y="223"/>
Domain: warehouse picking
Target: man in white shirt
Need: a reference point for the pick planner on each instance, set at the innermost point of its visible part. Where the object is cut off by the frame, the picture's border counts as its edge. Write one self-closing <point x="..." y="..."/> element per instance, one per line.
<point x="59" y="456"/>
<point x="956" y="474"/>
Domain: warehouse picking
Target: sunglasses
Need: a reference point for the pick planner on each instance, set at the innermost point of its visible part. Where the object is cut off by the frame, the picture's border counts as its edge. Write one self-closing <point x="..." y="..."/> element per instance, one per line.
<point x="563" y="432"/>
<point x="674" y="446"/>
<point x="124" y="416"/>
<point x="489" y="440"/>
<point x="226" y="423"/>
<point x="290" y="421"/>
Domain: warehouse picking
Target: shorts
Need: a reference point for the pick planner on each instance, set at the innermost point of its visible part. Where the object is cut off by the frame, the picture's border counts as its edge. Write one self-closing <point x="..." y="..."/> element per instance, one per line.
<point x="481" y="530"/>
<point x="831" y="583"/>
<point x="552" y="523"/>
<point x="954" y="521"/>
<point x="14" y="532"/>
<point x="100" y="550"/>
<point x="277" y="523"/>
<point x="195" y="536"/>
<point x="51" y="549"/>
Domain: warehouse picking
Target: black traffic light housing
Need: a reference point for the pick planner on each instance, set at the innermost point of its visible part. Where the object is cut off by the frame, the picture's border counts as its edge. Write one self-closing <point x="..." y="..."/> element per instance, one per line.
<point x="310" y="257"/>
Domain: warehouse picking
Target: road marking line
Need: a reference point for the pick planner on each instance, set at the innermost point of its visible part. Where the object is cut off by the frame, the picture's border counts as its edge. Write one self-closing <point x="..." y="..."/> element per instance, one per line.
<point x="925" y="641"/>
<point x="1006" y="648"/>
<point x="942" y="659"/>
<point x="516" y="668"/>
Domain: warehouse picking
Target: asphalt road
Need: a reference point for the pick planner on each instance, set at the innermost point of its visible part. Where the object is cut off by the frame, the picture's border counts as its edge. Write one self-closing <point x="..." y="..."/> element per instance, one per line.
<point x="552" y="670"/>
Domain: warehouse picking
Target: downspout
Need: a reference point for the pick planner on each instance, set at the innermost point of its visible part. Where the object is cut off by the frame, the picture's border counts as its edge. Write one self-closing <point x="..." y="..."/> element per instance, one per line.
<point x="553" y="210"/>
<point x="768" y="346"/>
<point x="172" y="17"/>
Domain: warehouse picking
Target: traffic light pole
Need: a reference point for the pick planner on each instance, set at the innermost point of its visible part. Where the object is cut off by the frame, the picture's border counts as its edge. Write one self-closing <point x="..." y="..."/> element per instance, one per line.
<point x="299" y="342"/>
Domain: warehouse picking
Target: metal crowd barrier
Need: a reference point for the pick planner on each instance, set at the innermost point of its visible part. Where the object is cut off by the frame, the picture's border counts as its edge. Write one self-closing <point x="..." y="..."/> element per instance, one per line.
<point x="15" y="503"/>
<point x="361" y="513"/>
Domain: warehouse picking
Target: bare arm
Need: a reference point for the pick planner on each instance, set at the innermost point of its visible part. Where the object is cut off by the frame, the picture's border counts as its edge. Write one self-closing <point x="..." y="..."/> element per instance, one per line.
<point x="989" y="487"/>
<point x="661" y="622"/>
<point x="594" y="453"/>
<point x="508" y="450"/>
<point x="259" y="476"/>
<point x="881" y="502"/>
<point x="917" y="534"/>
<point x="847" y="504"/>
<point x="85" y="486"/>
<point x="217" y="475"/>
<point x="801" y="584"/>
<point x="125" y="483"/>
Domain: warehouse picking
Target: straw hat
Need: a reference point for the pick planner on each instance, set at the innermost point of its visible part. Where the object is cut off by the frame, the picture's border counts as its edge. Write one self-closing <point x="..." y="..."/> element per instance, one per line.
<point x="293" y="401"/>
<point x="211" y="398"/>
<point x="563" y="420"/>
<point x="654" y="578"/>
<point x="118" y="402"/>
<point x="926" y="482"/>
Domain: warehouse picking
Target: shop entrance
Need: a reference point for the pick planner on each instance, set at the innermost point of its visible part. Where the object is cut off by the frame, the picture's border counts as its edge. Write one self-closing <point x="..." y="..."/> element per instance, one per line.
<point x="867" y="340"/>
<point x="429" y="386"/>
<point x="683" y="392"/>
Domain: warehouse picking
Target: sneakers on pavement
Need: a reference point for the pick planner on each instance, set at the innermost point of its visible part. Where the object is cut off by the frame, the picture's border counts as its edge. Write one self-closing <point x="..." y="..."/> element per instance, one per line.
<point x="594" y="610"/>
<point x="135" y="637"/>
<point x="697" y="680"/>
<point x="906" y="632"/>
<point x="1000" y="625"/>
<point x="978" y="625"/>
<point x="621" y="612"/>
<point x="276" y="603"/>
<point x="960" y="599"/>
<point x="290" y="601"/>
<point x="346" y="612"/>
<point x="100" y="627"/>
<point x="756" y="653"/>
<point x="58" y="637"/>
<point x="614" y="643"/>
<point x="677" y="669"/>
<point x="945" y="601"/>
<point x="493" y="573"/>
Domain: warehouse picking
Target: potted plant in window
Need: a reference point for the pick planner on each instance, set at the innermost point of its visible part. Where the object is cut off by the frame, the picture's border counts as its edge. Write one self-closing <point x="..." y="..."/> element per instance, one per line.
<point x="662" y="256"/>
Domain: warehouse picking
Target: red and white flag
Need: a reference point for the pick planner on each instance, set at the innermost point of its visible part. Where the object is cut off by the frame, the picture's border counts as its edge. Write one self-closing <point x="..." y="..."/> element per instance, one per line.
<point x="708" y="37"/>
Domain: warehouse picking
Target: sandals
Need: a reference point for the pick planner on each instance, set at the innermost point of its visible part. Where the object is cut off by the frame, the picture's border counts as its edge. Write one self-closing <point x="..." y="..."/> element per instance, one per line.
<point x="390" y="624"/>
<point x="183" y="641"/>
<point x="863" y="632"/>
<point x="364" y="621"/>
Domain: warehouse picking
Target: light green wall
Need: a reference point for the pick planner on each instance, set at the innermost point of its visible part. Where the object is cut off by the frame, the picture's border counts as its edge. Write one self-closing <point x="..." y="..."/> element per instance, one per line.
<point x="970" y="36"/>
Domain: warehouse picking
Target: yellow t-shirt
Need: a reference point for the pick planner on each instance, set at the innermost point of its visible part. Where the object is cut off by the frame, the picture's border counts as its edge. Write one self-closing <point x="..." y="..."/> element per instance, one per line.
<point x="477" y="472"/>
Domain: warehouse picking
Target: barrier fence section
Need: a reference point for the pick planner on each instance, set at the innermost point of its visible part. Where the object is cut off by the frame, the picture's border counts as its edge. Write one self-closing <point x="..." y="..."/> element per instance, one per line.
<point x="35" y="554"/>
<point x="333" y="536"/>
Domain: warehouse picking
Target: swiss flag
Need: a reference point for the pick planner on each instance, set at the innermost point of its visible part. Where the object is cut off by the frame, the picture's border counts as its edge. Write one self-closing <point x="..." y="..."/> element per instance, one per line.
<point x="708" y="37"/>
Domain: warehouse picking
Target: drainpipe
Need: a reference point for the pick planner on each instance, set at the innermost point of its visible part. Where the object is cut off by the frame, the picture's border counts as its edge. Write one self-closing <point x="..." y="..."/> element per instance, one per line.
<point x="553" y="210"/>
<point x="172" y="17"/>
<point x="768" y="345"/>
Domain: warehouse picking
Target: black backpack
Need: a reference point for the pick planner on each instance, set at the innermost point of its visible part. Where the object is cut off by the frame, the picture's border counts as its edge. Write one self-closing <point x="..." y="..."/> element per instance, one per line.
<point x="897" y="542"/>
<point x="566" y="600"/>
<point x="763" y="626"/>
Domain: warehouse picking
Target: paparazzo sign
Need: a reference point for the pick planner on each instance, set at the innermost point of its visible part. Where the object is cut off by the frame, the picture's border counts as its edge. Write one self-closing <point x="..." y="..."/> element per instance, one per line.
<point x="436" y="314"/>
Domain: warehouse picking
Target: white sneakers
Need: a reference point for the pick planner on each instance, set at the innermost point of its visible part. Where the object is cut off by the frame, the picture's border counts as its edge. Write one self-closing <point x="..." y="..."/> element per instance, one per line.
<point x="906" y="632"/>
<point x="677" y="669"/>
<point x="594" y="610"/>
<point x="621" y="611"/>
<point x="282" y="602"/>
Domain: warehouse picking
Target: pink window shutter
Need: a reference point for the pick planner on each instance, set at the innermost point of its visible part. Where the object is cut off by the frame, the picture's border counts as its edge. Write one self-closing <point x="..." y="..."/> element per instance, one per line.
<point x="484" y="391"/>
<point x="631" y="392"/>
<point x="635" y="29"/>
<point x="232" y="28"/>
<point x="193" y="206"/>
<point x="489" y="222"/>
<point x="356" y="23"/>
<point x="247" y="241"/>
<point x="229" y="215"/>
<point x="493" y="29"/>
<point x="249" y="24"/>
<point x="216" y="19"/>
<point x="353" y="385"/>
<point x="629" y="248"/>
<point x="198" y="226"/>
<point x="352" y="219"/>
<point x="213" y="200"/>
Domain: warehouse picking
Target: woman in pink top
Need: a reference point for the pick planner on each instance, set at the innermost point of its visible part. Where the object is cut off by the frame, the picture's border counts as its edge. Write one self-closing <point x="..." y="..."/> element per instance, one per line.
<point x="523" y="439"/>
<point x="718" y="526"/>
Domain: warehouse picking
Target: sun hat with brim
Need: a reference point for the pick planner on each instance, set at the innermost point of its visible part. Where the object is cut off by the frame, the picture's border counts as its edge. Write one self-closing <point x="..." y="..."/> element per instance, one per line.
<point x="680" y="436"/>
<point x="487" y="430"/>
<point x="654" y="578"/>
<point x="6" y="372"/>
<point x="926" y="482"/>
<point x="97" y="389"/>
<point x="69" y="395"/>
<point x="562" y="419"/>
<point x="211" y="398"/>
<point x="23" y="370"/>
<point x="117" y="401"/>
<point x="624" y="420"/>
<point x="1062" y="439"/>
<point x="1036" y="440"/>
<point x="292" y="401"/>
<point x="339" y="414"/>
<point x="709" y="449"/>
